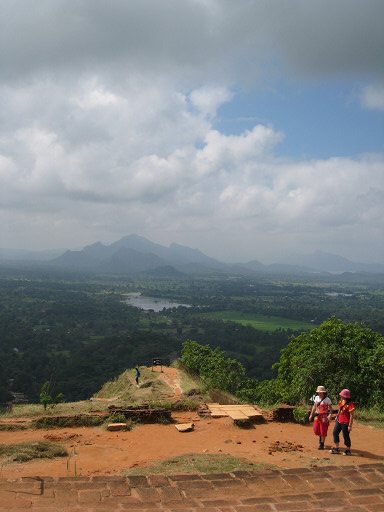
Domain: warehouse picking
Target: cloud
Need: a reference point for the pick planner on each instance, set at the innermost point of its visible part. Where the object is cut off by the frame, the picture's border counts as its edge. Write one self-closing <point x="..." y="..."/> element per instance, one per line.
<point x="108" y="123"/>
<point x="190" y="40"/>
<point x="372" y="97"/>
<point x="146" y="174"/>
<point x="207" y="99"/>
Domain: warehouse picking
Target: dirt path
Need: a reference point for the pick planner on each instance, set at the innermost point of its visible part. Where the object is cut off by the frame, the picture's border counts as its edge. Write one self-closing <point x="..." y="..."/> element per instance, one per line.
<point x="95" y="451"/>
<point x="171" y="376"/>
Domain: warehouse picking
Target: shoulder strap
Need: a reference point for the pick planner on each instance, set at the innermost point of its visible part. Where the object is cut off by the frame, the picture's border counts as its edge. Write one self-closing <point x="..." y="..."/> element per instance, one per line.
<point x="339" y="411"/>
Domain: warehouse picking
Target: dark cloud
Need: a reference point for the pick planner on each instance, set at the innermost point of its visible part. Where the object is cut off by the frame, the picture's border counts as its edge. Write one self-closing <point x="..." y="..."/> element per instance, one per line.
<point x="190" y="38"/>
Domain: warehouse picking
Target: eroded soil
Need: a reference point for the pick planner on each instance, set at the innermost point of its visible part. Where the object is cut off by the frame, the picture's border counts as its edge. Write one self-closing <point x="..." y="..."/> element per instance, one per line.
<point x="96" y="451"/>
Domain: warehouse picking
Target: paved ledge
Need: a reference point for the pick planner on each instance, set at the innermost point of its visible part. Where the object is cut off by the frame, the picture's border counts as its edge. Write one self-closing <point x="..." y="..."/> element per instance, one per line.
<point x="353" y="488"/>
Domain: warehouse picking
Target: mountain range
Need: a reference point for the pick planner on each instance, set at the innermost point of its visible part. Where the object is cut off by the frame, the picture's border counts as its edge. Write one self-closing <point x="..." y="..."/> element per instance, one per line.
<point x="134" y="254"/>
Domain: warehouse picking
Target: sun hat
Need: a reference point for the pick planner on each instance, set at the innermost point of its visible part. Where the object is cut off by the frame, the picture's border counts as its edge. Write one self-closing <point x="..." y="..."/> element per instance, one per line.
<point x="345" y="393"/>
<point x="321" y="389"/>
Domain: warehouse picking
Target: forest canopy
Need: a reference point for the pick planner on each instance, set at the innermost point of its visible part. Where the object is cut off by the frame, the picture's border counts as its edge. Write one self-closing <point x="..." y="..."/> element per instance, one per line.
<point x="334" y="354"/>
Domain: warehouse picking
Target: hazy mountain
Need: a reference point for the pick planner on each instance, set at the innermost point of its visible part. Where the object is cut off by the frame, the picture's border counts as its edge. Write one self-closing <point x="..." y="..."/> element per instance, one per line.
<point x="325" y="262"/>
<point x="135" y="254"/>
<point x="129" y="261"/>
<point x="76" y="260"/>
<point x="253" y="265"/>
<point x="24" y="255"/>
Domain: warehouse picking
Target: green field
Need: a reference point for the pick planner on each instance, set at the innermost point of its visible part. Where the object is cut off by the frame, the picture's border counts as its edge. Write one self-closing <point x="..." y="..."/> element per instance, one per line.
<point x="261" y="322"/>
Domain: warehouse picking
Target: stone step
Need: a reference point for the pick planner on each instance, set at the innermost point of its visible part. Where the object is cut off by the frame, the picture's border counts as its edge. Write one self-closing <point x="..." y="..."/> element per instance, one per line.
<point x="352" y="488"/>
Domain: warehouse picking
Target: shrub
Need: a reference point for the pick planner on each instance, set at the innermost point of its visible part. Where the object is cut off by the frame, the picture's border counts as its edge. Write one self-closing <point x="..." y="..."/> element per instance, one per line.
<point x="218" y="371"/>
<point x="337" y="356"/>
<point x="301" y="414"/>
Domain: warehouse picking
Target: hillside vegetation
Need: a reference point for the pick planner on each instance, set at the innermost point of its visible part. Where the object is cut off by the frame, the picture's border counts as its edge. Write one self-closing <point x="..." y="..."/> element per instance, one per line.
<point x="334" y="354"/>
<point x="78" y="332"/>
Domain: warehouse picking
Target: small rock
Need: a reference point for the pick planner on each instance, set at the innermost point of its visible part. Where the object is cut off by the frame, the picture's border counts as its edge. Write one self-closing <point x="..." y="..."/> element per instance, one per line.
<point x="184" y="427"/>
<point x="117" y="426"/>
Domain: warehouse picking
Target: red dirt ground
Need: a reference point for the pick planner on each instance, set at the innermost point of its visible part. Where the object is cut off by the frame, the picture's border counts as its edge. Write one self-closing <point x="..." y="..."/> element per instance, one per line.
<point x="95" y="451"/>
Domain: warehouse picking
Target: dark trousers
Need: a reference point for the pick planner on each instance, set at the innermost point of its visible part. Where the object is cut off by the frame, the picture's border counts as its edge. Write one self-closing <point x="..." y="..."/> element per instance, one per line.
<point x="341" y="427"/>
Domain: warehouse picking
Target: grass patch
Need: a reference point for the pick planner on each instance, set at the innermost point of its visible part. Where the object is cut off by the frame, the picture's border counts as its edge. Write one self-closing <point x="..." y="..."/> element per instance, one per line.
<point x="68" y="421"/>
<point x="24" y="452"/>
<point x="372" y="417"/>
<point x="124" y="387"/>
<point x="37" y="410"/>
<point x="198" y="463"/>
<point x="260" y="322"/>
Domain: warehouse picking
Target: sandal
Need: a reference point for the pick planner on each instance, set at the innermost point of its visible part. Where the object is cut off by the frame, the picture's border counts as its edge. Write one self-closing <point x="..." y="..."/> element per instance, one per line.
<point x="334" y="450"/>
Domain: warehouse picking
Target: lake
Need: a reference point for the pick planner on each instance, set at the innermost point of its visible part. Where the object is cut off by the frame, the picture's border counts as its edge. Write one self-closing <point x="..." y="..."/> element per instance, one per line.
<point x="146" y="303"/>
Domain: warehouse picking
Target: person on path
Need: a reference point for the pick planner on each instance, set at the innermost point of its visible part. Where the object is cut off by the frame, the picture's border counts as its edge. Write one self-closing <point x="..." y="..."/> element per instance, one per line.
<point x="344" y="421"/>
<point x="137" y="376"/>
<point x="322" y="412"/>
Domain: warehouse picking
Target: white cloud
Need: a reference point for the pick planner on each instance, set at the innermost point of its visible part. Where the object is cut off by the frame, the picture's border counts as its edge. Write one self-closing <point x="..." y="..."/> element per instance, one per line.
<point x="207" y="99"/>
<point x="372" y="97"/>
<point x="152" y="164"/>
<point x="108" y="124"/>
<point x="95" y="96"/>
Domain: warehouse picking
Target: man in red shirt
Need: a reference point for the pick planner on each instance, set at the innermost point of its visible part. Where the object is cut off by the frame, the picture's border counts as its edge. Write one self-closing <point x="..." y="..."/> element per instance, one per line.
<point x="344" y="420"/>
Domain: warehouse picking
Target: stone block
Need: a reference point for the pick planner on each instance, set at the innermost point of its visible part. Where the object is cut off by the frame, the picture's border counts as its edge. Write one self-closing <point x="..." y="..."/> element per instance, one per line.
<point x="158" y="481"/>
<point x="146" y="494"/>
<point x="119" y="489"/>
<point x="113" y="427"/>
<point x="89" y="496"/>
<point x="137" y="480"/>
<point x="169" y="494"/>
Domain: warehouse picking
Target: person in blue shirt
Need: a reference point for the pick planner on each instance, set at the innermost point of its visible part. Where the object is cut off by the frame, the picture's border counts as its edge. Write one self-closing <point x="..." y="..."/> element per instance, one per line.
<point x="137" y="375"/>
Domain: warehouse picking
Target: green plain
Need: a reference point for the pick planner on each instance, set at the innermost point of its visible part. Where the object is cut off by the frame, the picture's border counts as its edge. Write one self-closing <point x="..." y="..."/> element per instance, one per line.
<point x="261" y="322"/>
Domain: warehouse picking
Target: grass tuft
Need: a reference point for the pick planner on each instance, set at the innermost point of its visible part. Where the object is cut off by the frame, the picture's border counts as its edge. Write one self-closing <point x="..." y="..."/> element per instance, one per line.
<point x="374" y="417"/>
<point x="24" y="452"/>
<point x="68" y="421"/>
<point x="198" y="463"/>
<point x="37" y="410"/>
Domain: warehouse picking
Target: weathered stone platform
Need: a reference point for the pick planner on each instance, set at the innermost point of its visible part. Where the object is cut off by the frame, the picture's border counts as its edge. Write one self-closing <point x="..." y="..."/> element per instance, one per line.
<point x="350" y="489"/>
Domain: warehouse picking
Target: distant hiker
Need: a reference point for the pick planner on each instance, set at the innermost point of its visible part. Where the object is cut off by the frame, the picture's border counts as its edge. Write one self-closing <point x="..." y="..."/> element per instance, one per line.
<point x="137" y="375"/>
<point x="344" y="420"/>
<point x="322" y="412"/>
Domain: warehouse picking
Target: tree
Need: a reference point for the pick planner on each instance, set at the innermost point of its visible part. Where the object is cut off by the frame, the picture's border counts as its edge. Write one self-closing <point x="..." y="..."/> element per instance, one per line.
<point x="46" y="398"/>
<point x="337" y="356"/>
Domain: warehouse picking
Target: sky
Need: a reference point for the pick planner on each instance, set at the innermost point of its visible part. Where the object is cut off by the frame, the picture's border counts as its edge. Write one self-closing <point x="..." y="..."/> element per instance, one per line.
<point x="247" y="129"/>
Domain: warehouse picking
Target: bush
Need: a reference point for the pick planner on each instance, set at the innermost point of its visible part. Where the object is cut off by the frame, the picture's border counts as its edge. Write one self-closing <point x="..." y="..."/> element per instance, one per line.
<point x="218" y="371"/>
<point x="337" y="356"/>
<point x="267" y="392"/>
<point x="301" y="415"/>
<point x="117" y="417"/>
